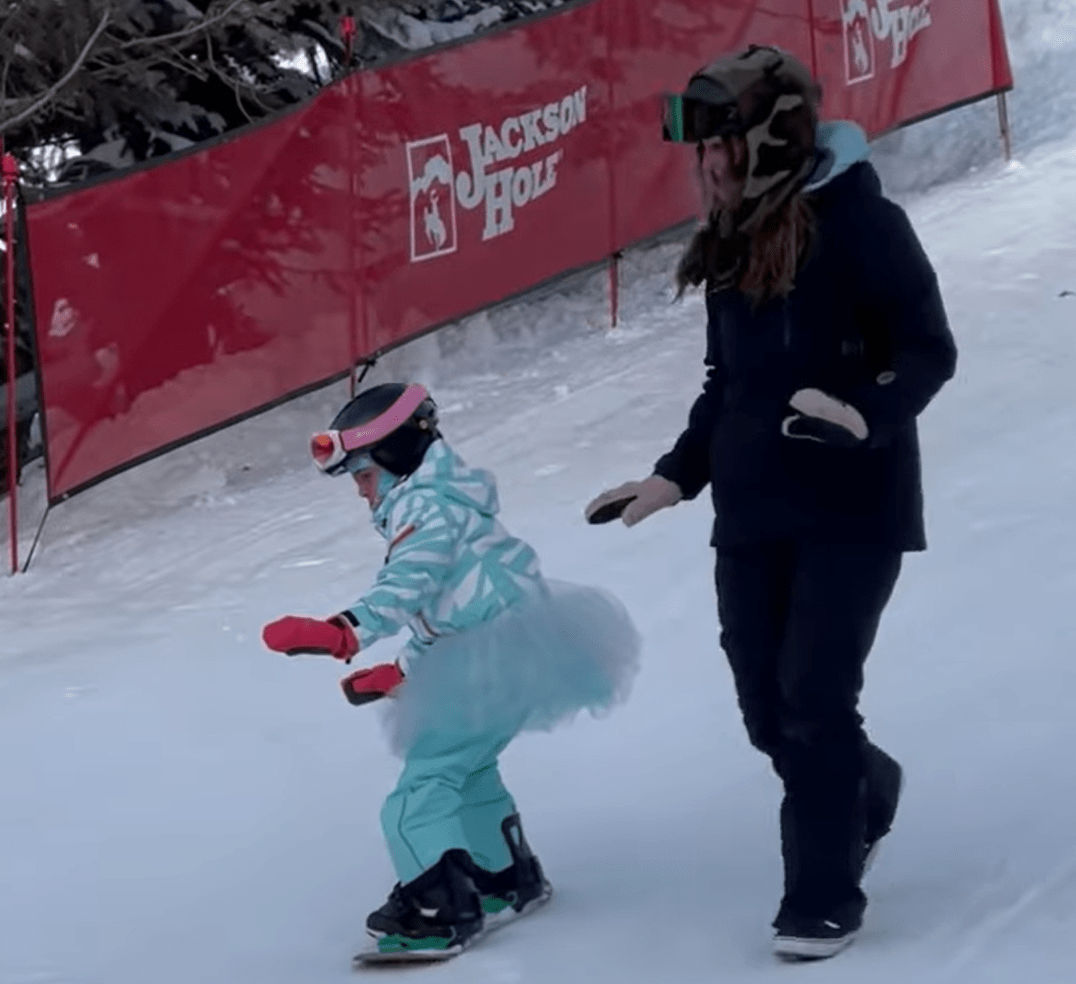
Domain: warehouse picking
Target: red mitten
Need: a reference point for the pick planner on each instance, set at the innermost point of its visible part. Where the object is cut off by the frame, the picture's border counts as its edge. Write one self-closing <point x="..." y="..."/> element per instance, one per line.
<point x="372" y="683"/>
<point x="297" y="636"/>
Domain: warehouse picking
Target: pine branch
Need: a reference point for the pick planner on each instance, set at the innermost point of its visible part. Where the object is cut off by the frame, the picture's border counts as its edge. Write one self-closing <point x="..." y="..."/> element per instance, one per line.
<point x="52" y="91"/>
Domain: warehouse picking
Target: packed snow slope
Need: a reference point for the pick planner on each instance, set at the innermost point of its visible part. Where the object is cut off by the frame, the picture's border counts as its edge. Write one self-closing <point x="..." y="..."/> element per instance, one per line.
<point x="180" y="806"/>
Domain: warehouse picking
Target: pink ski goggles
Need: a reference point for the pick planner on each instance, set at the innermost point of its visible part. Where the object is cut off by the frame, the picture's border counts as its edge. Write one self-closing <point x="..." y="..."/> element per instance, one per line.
<point x="331" y="449"/>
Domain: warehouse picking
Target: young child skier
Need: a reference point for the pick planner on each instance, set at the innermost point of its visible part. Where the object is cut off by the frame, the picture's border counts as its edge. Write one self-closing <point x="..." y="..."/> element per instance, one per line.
<point x="496" y="649"/>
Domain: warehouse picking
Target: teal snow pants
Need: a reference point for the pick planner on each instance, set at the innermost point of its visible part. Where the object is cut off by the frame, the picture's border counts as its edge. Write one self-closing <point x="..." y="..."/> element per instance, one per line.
<point x="450" y="794"/>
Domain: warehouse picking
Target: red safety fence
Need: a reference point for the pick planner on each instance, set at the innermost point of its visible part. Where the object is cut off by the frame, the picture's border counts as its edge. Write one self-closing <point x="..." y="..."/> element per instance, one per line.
<point x="181" y="297"/>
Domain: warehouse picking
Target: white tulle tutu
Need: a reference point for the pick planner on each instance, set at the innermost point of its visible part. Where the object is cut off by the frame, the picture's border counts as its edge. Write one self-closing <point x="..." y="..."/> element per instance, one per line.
<point x="531" y="668"/>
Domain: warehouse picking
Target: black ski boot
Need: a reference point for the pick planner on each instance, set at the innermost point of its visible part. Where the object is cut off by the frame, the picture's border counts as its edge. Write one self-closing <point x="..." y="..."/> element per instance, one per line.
<point x="517" y="889"/>
<point x="439" y="912"/>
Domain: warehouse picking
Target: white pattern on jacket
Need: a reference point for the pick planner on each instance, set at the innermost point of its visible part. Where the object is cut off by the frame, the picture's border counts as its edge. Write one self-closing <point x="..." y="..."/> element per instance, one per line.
<point x="450" y="565"/>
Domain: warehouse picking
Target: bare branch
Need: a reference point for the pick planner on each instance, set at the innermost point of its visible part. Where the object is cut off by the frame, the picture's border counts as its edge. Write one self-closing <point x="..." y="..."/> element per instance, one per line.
<point x="3" y="78"/>
<point x="187" y="31"/>
<point x="239" y="99"/>
<point x="122" y="70"/>
<point x="51" y="92"/>
<point x="238" y="84"/>
<point x="13" y="12"/>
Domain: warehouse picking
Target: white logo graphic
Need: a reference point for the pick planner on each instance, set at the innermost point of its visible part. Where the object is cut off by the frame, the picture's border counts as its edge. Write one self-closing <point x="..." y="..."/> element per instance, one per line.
<point x="433" y="204"/>
<point x="866" y="21"/>
<point x="436" y="189"/>
<point x="858" y="48"/>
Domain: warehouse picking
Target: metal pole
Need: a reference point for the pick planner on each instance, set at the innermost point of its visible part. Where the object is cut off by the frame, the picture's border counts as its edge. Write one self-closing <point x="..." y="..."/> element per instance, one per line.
<point x="1003" y="124"/>
<point x="348" y="29"/>
<point x="614" y="286"/>
<point x="10" y="171"/>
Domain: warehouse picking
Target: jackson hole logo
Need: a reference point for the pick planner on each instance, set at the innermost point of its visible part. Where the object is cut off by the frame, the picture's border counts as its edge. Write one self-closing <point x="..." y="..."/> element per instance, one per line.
<point x="433" y="202"/>
<point x="868" y="21"/>
<point x="437" y="190"/>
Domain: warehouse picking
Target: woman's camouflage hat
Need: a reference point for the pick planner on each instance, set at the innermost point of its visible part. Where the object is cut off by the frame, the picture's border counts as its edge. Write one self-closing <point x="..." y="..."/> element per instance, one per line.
<point x="770" y="99"/>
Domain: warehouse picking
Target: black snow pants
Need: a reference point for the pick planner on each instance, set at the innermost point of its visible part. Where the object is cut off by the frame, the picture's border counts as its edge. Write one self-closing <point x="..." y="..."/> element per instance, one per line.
<point x="797" y="622"/>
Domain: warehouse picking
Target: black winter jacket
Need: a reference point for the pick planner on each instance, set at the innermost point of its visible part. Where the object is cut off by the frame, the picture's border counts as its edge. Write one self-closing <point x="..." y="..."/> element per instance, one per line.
<point x="865" y="323"/>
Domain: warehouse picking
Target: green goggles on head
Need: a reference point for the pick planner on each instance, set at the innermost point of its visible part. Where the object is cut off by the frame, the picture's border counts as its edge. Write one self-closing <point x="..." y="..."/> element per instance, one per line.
<point x="706" y="110"/>
<point x="686" y="120"/>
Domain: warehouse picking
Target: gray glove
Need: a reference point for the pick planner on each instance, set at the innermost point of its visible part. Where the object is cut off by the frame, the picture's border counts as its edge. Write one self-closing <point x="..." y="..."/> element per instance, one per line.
<point x="634" y="501"/>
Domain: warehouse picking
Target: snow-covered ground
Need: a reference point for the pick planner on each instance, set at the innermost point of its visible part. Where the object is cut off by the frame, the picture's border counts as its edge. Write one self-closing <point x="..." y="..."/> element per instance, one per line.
<point x="179" y="806"/>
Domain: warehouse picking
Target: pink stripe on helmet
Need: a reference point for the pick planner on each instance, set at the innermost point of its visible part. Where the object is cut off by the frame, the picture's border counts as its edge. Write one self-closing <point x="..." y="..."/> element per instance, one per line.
<point x="380" y="427"/>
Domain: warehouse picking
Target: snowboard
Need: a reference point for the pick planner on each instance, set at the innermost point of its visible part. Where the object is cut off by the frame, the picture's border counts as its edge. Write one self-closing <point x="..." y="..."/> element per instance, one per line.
<point x="374" y="956"/>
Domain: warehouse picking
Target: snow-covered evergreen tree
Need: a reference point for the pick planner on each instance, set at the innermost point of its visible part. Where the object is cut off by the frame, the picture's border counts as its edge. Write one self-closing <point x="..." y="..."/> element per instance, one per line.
<point x="95" y="85"/>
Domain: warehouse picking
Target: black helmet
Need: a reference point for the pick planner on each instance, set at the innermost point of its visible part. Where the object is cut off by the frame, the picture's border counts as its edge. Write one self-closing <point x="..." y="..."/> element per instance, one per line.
<point x="393" y="423"/>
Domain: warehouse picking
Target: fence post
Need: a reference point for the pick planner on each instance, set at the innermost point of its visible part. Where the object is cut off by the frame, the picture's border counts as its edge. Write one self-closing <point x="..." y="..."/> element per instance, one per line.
<point x="9" y="169"/>
<point x="347" y="32"/>
<point x="614" y="286"/>
<point x="1003" y="124"/>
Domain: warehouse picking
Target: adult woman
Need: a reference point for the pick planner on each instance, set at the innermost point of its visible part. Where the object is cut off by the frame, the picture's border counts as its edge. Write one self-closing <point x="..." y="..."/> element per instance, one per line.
<point x="826" y="338"/>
